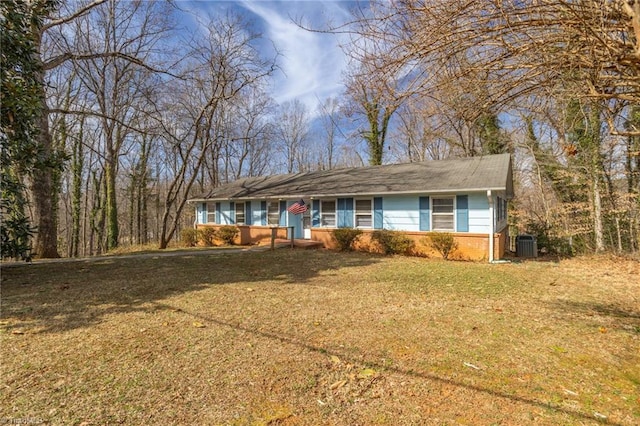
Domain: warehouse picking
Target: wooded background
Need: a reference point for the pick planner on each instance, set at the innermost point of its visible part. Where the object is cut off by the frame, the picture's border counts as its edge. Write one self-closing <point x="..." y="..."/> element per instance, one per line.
<point x="112" y="117"/>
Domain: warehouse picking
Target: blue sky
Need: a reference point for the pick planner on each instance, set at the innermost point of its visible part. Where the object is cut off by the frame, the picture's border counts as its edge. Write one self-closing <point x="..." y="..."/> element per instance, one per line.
<point x="311" y="64"/>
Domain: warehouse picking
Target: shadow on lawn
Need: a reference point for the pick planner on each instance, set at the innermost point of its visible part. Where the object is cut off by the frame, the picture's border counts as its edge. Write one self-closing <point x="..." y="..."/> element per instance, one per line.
<point x="55" y="297"/>
<point x="625" y="317"/>
<point x="575" y="413"/>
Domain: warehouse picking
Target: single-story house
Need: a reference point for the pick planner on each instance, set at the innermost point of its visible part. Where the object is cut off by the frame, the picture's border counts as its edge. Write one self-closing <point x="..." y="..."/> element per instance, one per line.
<point x="465" y="196"/>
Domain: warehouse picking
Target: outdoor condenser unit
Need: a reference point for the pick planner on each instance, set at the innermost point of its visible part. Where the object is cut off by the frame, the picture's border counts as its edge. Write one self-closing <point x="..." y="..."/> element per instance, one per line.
<point x="526" y="246"/>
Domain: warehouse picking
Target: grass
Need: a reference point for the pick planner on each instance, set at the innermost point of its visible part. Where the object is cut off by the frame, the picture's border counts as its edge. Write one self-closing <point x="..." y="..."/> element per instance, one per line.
<point x="302" y="337"/>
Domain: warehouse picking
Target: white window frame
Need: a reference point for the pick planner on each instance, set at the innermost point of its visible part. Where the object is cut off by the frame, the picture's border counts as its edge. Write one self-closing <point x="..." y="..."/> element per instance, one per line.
<point x="324" y="215"/>
<point x="358" y="214"/>
<point x="502" y="209"/>
<point x="242" y="212"/>
<point x="441" y="214"/>
<point x="211" y="212"/>
<point x="270" y="213"/>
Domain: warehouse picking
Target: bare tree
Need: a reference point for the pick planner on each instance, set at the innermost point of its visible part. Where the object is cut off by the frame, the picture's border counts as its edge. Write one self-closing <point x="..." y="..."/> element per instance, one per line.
<point x="478" y="60"/>
<point x="330" y="115"/>
<point x="419" y="135"/>
<point x="374" y="92"/>
<point x="221" y="67"/>
<point x="125" y="35"/>
<point x="251" y="133"/>
<point x="291" y="126"/>
<point x="42" y="186"/>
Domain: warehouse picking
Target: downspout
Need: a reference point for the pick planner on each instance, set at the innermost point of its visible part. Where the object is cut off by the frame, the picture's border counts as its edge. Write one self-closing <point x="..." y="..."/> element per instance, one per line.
<point x="491" y="225"/>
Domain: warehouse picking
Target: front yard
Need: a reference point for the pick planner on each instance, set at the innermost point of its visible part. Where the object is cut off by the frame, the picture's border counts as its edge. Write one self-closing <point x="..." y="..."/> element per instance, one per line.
<point x="301" y="337"/>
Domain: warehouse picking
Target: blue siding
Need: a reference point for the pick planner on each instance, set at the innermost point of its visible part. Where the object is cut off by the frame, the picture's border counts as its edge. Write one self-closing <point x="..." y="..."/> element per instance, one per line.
<point x="226" y="213"/>
<point x="394" y="212"/>
<point x="425" y="214"/>
<point x="315" y="213"/>
<point x="283" y="213"/>
<point x="462" y="213"/>
<point x="263" y="213"/>
<point x="378" y="217"/>
<point x="345" y="213"/>
<point x="478" y="213"/>
<point x="400" y="213"/>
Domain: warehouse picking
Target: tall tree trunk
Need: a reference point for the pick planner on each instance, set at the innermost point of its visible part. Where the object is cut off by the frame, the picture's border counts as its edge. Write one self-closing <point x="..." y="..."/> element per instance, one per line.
<point x="597" y="214"/>
<point x="111" y="205"/>
<point x="43" y="181"/>
<point x="77" y="164"/>
<point x="132" y="208"/>
<point x="143" y="192"/>
<point x="42" y="189"/>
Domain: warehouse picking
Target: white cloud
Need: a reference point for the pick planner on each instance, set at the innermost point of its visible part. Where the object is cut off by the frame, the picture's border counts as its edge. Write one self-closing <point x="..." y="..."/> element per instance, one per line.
<point x="311" y="62"/>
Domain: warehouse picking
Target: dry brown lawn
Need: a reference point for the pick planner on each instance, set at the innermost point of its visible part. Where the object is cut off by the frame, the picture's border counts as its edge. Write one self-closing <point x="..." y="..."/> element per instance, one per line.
<point x="295" y="337"/>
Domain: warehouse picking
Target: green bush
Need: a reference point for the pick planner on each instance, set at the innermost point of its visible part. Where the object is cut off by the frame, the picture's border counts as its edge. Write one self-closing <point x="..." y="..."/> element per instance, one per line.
<point x="228" y="234"/>
<point x="189" y="237"/>
<point x="444" y="243"/>
<point x="207" y="236"/>
<point x="345" y="237"/>
<point x="393" y="242"/>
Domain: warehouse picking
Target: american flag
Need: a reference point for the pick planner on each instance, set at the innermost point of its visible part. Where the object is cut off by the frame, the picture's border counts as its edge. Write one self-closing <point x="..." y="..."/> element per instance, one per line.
<point x="298" y="207"/>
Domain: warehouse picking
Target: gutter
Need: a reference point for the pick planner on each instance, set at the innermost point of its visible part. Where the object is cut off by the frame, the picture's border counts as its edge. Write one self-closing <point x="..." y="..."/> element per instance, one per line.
<point x="348" y="194"/>
<point x="491" y="225"/>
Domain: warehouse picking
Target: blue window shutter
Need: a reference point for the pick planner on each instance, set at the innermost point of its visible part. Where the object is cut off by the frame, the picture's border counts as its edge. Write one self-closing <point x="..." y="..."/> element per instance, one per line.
<point x="424" y="213"/>
<point x="349" y="213"/>
<point x="283" y="213"/>
<point x="462" y="213"/>
<point x="217" y="212"/>
<point x="232" y="212"/>
<point x="202" y="210"/>
<point x="345" y="213"/>
<point x="248" y="220"/>
<point x="377" y="213"/>
<point x="315" y="213"/>
<point x="263" y="213"/>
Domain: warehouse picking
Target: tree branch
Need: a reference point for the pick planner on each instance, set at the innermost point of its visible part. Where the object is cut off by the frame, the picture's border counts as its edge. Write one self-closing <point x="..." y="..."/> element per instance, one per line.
<point x="77" y="13"/>
<point x="68" y="56"/>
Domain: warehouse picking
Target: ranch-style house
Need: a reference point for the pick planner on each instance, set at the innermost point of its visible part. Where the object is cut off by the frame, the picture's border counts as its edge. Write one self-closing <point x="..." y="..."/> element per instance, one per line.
<point x="466" y="197"/>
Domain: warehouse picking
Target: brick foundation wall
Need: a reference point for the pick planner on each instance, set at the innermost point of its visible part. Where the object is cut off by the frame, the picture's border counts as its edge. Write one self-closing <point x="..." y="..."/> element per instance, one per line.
<point x="470" y="246"/>
<point x="249" y="234"/>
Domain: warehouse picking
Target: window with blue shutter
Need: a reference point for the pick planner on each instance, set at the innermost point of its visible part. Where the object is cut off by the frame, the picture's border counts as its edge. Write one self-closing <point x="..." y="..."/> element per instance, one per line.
<point x="462" y="213"/>
<point x="217" y="212"/>
<point x="424" y="213"/>
<point x="377" y="213"/>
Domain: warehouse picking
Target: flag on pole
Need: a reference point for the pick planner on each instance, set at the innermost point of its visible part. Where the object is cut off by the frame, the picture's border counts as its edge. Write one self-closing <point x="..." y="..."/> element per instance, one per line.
<point x="298" y="207"/>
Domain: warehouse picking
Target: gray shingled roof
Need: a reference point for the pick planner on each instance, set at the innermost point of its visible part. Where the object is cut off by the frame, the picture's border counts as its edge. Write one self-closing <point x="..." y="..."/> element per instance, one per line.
<point x="451" y="175"/>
